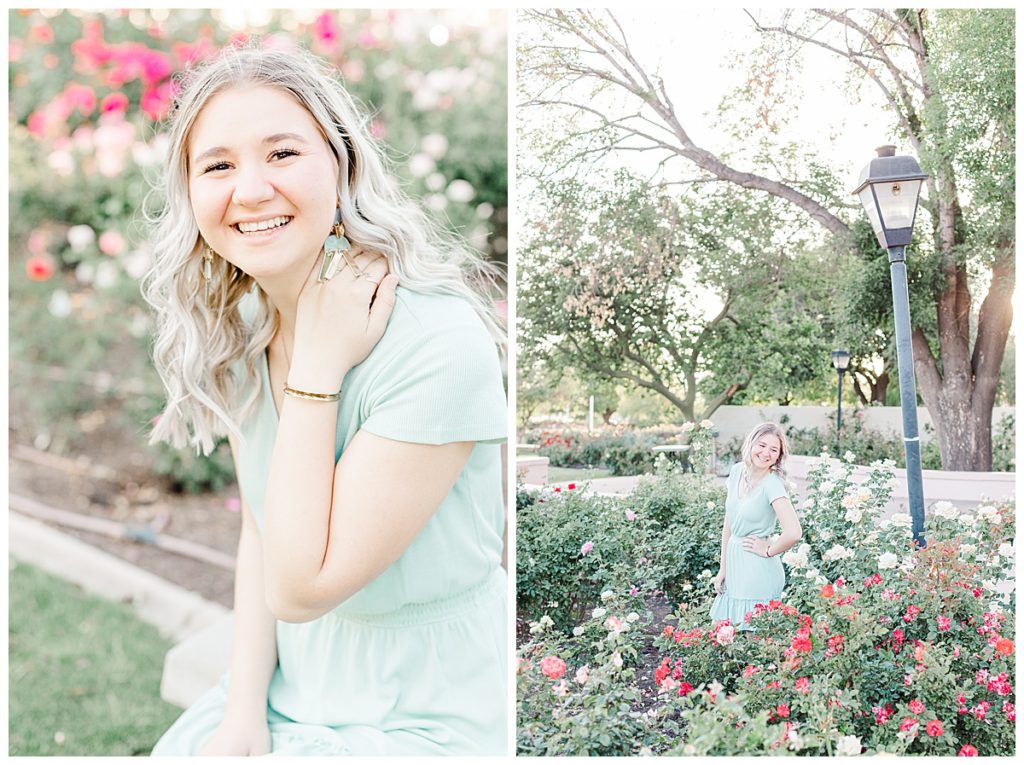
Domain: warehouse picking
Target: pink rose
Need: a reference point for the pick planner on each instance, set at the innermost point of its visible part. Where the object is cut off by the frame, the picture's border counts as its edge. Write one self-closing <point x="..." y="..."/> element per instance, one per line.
<point x="111" y="243"/>
<point x="944" y="623"/>
<point x="725" y="634"/>
<point x="916" y="706"/>
<point x="583" y="674"/>
<point x="553" y="667"/>
<point x="630" y="515"/>
<point x="587" y="547"/>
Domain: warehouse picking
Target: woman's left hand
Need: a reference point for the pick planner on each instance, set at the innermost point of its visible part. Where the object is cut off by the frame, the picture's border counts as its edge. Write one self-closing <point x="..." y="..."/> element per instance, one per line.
<point x="757" y="545"/>
<point x="338" y="322"/>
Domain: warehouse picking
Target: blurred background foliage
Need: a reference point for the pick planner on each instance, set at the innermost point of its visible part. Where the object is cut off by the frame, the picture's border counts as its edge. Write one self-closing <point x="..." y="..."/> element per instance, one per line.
<point x="88" y="93"/>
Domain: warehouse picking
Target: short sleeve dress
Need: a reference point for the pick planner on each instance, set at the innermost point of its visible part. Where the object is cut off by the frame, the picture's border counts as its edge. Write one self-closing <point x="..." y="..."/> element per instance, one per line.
<point x="749" y="578"/>
<point x="415" y="663"/>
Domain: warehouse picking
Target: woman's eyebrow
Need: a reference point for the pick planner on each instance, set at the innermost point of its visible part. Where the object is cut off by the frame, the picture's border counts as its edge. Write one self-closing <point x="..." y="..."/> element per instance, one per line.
<point x="216" y="151"/>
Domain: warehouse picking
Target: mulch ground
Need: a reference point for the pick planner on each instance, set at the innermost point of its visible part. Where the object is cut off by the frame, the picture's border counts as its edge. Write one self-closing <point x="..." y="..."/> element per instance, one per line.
<point x="106" y="484"/>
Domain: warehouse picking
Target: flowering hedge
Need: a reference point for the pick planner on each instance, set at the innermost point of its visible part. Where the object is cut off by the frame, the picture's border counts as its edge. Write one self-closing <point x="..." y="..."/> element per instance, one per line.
<point x="622" y="450"/>
<point x="874" y="647"/>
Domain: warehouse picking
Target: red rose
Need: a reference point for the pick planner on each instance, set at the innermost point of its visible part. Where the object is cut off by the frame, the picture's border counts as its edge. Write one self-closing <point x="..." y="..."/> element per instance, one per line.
<point x="908" y="723"/>
<point x="1004" y="646"/>
<point x="40" y="267"/>
<point x="827" y="591"/>
<point x="967" y="751"/>
<point x="933" y="728"/>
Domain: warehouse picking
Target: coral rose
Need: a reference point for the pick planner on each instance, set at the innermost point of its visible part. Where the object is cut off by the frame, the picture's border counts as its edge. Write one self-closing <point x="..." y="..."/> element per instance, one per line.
<point x="933" y="728"/>
<point x="553" y="667"/>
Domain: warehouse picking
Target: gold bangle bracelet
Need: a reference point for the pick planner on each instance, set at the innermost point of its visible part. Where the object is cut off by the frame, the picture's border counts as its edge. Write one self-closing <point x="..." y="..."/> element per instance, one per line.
<point x="311" y="396"/>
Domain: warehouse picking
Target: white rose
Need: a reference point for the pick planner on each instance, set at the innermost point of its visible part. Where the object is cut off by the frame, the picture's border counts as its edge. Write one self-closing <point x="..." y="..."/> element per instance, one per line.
<point x="633" y="616"/>
<point x="854" y="515"/>
<point x="966" y="550"/>
<point x="887" y="560"/>
<point x="607" y="595"/>
<point x="1006" y="550"/>
<point x="707" y="424"/>
<point x="577" y="631"/>
<point x="945" y="509"/>
<point x="597" y="613"/>
<point x="849" y="456"/>
<point x="687" y="427"/>
<point x="848" y="746"/>
<point x="826" y="487"/>
<point x="901" y="519"/>
<point x="617" y="659"/>
<point x="796" y="557"/>
<point x="908" y="563"/>
<point x="546" y="621"/>
<point x="837" y="552"/>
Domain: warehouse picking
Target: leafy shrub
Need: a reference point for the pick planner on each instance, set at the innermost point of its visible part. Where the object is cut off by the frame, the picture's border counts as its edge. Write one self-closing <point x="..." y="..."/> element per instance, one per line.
<point x="568" y="708"/>
<point x="898" y="650"/>
<point x="569" y="548"/>
<point x="875" y="646"/>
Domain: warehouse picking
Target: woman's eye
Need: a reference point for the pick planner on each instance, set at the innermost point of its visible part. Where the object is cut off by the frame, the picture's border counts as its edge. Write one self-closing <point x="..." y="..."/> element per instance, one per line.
<point x="283" y="153"/>
<point x="218" y="166"/>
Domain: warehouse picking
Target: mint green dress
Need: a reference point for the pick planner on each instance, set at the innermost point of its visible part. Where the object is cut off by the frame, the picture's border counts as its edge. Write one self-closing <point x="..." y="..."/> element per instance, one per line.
<point x="749" y="578"/>
<point x="415" y="663"/>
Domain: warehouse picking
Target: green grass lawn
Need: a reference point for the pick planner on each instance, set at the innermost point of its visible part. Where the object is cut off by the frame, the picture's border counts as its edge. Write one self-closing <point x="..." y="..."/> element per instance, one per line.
<point x="84" y="672"/>
<point x="557" y="474"/>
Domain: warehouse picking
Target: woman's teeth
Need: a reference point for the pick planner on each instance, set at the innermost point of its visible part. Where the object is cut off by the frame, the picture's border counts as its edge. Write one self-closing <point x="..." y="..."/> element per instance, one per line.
<point x="263" y="225"/>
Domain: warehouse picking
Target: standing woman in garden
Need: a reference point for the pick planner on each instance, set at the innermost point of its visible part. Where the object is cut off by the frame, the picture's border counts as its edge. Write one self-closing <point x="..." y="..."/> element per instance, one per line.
<point x="364" y="419"/>
<point x="751" y="569"/>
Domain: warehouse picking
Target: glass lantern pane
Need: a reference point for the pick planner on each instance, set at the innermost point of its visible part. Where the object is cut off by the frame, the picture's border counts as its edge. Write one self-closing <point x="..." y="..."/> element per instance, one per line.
<point x="867" y="199"/>
<point x="898" y="200"/>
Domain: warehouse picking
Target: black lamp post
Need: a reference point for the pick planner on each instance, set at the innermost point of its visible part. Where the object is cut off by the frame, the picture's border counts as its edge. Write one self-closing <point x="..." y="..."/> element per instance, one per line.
<point x="841" y="361"/>
<point x="889" y="188"/>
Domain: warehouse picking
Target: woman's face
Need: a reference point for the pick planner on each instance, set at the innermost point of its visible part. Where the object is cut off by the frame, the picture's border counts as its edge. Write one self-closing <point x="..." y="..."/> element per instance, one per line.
<point x="766" y="451"/>
<point x="262" y="181"/>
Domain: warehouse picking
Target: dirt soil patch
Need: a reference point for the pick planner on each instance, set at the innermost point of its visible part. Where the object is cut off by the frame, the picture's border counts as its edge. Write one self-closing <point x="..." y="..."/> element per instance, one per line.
<point x="109" y="484"/>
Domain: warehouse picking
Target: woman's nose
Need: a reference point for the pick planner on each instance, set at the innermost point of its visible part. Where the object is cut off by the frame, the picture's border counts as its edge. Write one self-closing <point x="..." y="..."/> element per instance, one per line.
<point x="251" y="187"/>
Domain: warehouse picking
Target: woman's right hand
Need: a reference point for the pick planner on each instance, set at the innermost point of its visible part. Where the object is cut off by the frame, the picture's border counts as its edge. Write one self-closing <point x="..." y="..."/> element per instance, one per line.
<point x="719" y="582"/>
<point x="238" y="738"/>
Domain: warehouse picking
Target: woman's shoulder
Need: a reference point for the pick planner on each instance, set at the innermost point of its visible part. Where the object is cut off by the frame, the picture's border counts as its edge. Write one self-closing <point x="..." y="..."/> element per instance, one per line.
<point x="420" y="318"/>
<point x="775" y="486"/>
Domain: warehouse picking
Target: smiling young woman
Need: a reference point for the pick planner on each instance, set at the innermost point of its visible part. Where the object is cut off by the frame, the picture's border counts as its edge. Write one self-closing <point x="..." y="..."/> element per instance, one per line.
<point x="751" y="567"/>
<point x="363" y="417"/>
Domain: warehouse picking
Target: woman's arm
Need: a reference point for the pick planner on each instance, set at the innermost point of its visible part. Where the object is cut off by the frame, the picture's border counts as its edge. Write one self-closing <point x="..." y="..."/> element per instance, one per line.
<point x="253" y="651"/>
<point x="720" y="577"/>
<point x="791" y="530"/>
<point x="330" y="533"/>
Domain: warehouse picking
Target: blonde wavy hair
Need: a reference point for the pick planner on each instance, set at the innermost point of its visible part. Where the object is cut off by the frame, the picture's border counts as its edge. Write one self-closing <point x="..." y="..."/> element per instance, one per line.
<point x="199" y="340"/>
<point x="767" y="429"/>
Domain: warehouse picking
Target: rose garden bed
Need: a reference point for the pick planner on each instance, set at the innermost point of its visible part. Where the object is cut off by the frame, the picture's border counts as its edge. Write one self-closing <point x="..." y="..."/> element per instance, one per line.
<point x="875" y="647"/>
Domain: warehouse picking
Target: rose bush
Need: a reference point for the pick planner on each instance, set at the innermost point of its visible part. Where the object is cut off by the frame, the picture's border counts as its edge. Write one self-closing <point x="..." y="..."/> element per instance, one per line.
<point x="875" y="646"/>
<point x="905" y="650"/>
